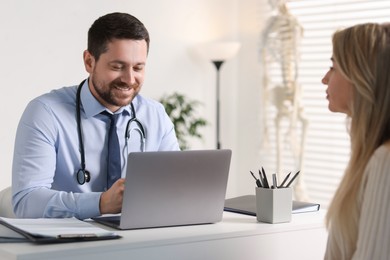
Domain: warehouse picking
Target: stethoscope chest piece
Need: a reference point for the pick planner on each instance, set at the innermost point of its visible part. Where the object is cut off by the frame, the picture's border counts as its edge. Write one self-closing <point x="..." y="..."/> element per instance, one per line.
<point x="83" y="176"/>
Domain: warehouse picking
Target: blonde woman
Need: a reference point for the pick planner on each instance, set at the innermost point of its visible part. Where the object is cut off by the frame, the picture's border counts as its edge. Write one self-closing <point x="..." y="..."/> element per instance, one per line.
<point x="358" y="84"/>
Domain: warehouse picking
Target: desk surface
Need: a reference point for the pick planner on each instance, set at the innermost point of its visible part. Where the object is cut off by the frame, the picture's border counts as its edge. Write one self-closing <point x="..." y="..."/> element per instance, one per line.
<point x="236" y="237"/>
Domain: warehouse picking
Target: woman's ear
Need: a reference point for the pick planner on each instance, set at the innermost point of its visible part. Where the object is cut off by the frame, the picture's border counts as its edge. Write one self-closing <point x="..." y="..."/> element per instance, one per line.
<point x="89" y="61"/>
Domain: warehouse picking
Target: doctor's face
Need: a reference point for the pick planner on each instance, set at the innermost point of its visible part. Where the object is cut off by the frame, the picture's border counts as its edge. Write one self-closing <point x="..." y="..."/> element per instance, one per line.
<point x="339" y="91"/>
<point x="117" y="76"/>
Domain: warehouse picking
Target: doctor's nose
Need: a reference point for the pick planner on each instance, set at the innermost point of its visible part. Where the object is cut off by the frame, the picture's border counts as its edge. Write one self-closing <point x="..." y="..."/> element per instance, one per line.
<point x="128" y="77"/>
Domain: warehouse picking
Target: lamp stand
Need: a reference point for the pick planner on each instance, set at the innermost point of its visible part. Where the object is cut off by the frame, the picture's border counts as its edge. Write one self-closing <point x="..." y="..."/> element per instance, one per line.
<point x="218" y="64"/>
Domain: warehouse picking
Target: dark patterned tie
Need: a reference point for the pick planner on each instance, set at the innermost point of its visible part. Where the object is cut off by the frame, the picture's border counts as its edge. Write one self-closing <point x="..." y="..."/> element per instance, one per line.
<point x="114" y="159"/>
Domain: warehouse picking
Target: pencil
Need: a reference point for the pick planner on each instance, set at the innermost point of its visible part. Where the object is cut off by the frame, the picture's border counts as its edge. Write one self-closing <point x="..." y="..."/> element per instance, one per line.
<point x="265" y="181"/>
<point x="293" y="178"/>
<point x="258" y="181"/>
<point x="285" y="179"/>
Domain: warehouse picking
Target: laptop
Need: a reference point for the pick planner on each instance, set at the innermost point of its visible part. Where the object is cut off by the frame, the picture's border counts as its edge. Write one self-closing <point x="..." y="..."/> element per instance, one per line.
<point x="173" y="188"/>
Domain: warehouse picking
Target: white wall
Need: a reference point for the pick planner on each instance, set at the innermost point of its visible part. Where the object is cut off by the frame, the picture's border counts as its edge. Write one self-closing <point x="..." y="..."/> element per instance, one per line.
<point x="253" y="15"/>
<point x="41" y="49"/>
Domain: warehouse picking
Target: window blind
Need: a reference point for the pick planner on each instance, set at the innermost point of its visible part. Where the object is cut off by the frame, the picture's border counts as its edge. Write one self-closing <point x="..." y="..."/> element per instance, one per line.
<point x="327" y="141"/>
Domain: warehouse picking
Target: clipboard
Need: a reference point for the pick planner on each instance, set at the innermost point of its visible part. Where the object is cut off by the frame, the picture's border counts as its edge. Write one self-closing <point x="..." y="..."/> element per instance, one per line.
<point x="64" y="230"/>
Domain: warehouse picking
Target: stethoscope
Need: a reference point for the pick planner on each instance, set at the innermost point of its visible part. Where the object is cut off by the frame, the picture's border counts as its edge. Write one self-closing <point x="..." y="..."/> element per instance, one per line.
<point x="83" y="175"/>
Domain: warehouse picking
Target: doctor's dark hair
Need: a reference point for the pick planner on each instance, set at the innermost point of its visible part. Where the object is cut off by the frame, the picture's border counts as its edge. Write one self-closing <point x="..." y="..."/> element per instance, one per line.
<point x="114" y="26"/>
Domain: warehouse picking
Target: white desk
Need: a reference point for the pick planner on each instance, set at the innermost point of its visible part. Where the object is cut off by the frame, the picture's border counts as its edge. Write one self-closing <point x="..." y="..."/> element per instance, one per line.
<point x="236" y="237"/>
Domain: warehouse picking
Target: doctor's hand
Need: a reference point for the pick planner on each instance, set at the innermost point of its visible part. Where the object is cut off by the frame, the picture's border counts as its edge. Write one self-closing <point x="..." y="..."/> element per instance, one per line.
<point x="111" y="200"/>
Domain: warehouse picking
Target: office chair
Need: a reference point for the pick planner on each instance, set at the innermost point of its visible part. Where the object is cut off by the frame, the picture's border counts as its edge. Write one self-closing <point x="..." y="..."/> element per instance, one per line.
<point x="6" y="209"/>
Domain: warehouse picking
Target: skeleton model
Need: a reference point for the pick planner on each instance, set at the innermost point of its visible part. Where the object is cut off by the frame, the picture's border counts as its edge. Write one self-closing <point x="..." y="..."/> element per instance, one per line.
<point x="280" y="42"/>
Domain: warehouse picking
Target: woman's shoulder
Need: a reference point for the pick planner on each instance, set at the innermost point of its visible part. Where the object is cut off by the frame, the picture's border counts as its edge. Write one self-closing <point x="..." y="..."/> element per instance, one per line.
<point x="380" y="160"/>
<point x="382" y="151"/>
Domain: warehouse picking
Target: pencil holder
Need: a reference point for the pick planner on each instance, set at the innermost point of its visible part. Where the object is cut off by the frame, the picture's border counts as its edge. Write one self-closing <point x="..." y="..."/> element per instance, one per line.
<point x="273" y="205"/>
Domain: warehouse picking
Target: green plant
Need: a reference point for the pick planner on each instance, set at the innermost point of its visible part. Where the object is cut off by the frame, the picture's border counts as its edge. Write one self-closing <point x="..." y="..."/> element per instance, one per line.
<point x="181" y="110"/>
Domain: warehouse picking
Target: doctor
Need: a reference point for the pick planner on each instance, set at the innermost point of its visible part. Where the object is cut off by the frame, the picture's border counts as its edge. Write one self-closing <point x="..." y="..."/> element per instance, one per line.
<point x="60" y="167"/>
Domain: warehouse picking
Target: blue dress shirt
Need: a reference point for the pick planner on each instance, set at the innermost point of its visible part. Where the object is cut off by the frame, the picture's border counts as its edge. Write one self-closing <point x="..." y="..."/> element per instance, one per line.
<point x="47" y="156"/>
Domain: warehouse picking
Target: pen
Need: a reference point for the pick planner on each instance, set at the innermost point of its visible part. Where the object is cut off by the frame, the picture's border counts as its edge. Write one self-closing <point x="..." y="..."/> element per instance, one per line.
<point x="285" y="179"/>
<point x="65" y="236"/>
<point x="258" y="182"/>
<point x="274" y="181"/>
<point x="293" y="178"/>
<point x="265" y="181"/>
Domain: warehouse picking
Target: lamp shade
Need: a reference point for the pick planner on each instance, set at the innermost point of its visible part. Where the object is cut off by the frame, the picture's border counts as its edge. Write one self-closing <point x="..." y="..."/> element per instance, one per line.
<point x="219" y="51"/>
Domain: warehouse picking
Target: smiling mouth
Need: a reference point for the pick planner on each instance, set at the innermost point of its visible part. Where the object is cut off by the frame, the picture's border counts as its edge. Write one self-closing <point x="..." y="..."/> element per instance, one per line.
<point x="122" y="87"/>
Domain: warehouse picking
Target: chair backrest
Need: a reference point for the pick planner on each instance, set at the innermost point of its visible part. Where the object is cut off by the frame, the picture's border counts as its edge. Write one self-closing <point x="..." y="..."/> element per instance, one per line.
<point x="6" y="209"/>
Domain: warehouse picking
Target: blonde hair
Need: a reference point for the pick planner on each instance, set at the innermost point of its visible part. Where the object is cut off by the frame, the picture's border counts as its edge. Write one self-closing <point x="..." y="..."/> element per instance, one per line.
<point x="363" y="54"/>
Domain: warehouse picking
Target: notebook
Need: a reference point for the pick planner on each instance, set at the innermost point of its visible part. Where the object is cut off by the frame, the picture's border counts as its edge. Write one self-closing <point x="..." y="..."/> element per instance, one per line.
<point x="247" y="205"/>
<point x="173" y="188"/>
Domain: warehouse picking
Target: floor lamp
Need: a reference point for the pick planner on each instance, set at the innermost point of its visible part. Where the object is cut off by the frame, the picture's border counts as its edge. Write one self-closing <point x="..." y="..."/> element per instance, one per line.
<point x="218" y="64"/>
<point x="218" y="53"/>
